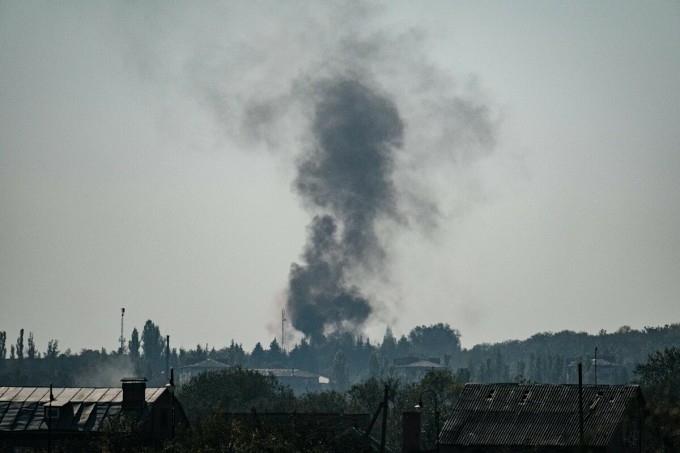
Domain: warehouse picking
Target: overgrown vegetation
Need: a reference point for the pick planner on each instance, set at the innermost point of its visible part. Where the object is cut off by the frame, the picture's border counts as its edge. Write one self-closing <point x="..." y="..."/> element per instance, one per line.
<point x="208" y="397"/>
<point x="660" y="380"/>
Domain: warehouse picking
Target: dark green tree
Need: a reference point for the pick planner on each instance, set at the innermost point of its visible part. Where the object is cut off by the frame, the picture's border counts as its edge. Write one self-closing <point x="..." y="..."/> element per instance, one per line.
<point x="366" y="397"/>
<point x="661" y="368"/>
<point x="275" y="356"/>
<point x="258" y="357"/>
<point x="329" y="401"/>
<point x="389" y="344"/>
<point x="121" y="435"/>
<point x="339" y="376"/>
<point x="20" y="345"/>
<point x="3" y="345"/>
<point x="152" y="345"/>
<point x="404" y="347"/>
<point x="463" y="375"/>
<point x="660" y="380"/>
<point x="233" y="390"/>
<point x="304" y="357"/>
<point x="438" y="340"/>
<point x="235" y="354"/>
<point x="378" y="365"/>
<point x="196" y="355"/>
<point x="31" y="352"/>
<point x="438" y="390"/>
<point x="52" y="349"/>
<point x="134" y="344"/>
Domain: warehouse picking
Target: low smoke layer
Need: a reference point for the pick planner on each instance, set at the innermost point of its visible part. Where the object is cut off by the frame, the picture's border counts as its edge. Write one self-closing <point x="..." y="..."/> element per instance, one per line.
<point x="347" y="174"/>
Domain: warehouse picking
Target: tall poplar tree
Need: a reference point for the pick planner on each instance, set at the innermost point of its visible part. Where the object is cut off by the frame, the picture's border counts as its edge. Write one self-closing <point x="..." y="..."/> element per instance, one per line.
<point x="3" y="345"/>
<point x="20" y="345"/>
<point x="31" y="347"/>
<point x="152" y="345"/>
<point x="133" y="344"/>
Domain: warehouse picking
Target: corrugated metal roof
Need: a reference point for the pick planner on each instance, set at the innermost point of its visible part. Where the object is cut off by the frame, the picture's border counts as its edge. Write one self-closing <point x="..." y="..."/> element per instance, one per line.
<point x="536" y="415"/>
<point x="21" y="408"/>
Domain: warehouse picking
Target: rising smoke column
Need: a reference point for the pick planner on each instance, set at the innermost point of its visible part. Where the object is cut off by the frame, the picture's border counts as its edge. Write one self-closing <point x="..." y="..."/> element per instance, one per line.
<point x="347" y="175"/>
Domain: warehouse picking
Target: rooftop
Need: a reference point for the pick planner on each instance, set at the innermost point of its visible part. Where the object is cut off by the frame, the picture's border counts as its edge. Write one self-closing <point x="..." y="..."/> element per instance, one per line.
<point x="21" y="408"/>
<point x="531" y="414"/>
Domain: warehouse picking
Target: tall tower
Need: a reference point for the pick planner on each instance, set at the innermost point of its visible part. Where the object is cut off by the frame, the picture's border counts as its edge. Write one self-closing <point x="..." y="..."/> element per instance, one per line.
<point x="122" y="337"/>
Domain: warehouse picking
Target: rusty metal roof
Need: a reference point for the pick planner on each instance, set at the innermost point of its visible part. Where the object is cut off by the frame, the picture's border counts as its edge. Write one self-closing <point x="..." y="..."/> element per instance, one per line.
<point x="21" y="408"/>
<point x="537" y="415"/>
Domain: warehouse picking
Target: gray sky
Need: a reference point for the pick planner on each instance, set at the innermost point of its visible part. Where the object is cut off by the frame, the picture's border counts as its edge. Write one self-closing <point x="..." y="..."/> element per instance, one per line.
<point x="148" y="154"/>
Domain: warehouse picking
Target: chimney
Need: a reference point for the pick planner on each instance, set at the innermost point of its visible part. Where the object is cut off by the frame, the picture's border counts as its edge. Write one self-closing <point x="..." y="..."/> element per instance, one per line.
<point x="410" y="432"/>
<point x="133" y="393"/>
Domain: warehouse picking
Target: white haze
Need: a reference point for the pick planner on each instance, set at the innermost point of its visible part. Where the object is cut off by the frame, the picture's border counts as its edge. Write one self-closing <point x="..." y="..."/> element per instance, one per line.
<point x="129" y="176"/>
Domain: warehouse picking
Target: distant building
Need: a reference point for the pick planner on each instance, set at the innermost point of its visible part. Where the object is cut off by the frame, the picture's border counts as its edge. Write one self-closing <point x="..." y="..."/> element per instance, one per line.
<point x="28" y="416"/>
<point x="299" y="381"/>
<point x="544" y="418"/>
<point x="412" y="369"/>
<point x="189" y="371"/>
<point x="603" y="370"/>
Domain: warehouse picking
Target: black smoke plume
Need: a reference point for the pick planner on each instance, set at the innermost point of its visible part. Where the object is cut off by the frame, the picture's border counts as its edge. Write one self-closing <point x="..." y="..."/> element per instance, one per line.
<point x="347" y="176"/>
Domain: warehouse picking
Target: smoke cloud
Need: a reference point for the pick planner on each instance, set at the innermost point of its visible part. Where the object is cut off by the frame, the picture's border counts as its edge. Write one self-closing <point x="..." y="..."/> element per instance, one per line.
<point x="368" y="116"/>
<point x="346" y="173"/>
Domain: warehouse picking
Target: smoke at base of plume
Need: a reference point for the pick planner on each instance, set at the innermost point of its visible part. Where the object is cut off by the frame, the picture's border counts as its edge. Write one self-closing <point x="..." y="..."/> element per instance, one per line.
<point x="347" y="174"/>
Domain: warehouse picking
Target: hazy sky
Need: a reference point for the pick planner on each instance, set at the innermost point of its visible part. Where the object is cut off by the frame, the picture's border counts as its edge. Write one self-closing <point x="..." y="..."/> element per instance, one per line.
<point x="148" y="154"/>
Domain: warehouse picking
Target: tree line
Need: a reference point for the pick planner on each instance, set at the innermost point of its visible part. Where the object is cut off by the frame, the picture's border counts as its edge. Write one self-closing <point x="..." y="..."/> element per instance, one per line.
<point x="347" y="359"/>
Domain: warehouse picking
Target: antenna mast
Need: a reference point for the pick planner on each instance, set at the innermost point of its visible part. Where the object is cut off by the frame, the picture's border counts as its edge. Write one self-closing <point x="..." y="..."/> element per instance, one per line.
<point x="122" y="337"/>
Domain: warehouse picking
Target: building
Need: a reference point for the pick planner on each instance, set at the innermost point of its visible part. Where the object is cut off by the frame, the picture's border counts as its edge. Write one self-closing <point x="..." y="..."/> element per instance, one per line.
<point x="299" y="381"/>
<point x="29" y="417"/>
<point x="603" y="370"/>
<point x="413" y="369"/>
<point x="544" y="418"/>
<point x="189" y="371"/>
